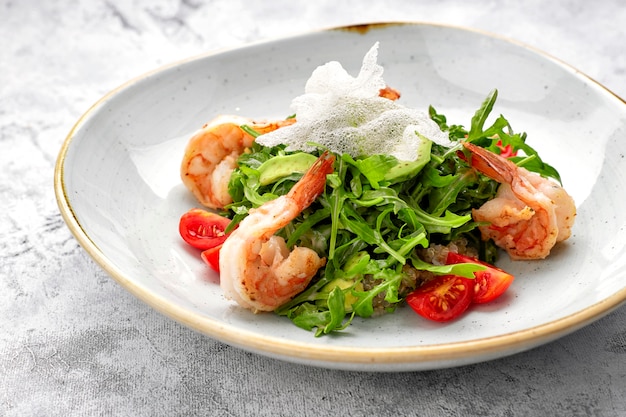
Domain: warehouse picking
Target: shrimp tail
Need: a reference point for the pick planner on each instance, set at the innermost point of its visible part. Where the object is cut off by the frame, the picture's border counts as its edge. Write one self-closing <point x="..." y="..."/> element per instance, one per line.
<point x="312" y="184"/>
<point x="492" y="165"/>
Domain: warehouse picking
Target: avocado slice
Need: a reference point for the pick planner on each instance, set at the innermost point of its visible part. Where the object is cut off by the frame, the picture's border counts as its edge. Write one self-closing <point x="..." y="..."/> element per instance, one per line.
<point x="281" y="166"/>
<point x="407" y="169"/>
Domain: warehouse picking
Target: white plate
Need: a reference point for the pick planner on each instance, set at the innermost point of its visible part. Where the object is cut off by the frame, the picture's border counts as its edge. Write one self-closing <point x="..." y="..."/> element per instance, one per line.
<point x="118" y="188"/>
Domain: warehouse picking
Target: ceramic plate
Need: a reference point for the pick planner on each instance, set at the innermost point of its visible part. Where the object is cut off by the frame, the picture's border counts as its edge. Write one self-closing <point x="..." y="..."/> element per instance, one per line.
<point x="118" y="188"/>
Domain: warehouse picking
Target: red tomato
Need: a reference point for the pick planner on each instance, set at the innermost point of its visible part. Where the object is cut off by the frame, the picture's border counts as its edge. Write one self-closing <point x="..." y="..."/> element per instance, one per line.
<point x="202" y="229"/>
<point x="212" y="257"/>
<point x="442" y="299"/>
<point x="489" y="283"/>
<point x="506" y="151"/>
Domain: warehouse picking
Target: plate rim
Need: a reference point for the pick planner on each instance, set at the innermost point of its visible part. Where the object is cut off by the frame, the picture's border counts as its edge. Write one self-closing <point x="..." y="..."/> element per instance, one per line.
<point x="417" y="357"/>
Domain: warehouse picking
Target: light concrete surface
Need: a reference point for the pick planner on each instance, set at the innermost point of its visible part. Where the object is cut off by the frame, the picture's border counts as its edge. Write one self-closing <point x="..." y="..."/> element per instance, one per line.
<point x="73" y="342"/>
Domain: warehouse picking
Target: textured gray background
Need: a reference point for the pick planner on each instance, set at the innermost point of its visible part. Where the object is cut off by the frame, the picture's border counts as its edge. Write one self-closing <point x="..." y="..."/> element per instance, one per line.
<point x="73" y="342"/>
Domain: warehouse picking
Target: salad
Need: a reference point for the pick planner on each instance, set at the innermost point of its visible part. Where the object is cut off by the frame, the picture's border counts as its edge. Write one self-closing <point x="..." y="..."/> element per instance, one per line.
<point x="357" y="205"/>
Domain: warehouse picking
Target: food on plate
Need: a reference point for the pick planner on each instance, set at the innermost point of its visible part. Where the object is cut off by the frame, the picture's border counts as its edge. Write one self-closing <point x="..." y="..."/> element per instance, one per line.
<point x="256" y="268"/>
<point x="211" y="155"/>
<point x="489" y="284"/>
<point x="358" y="204"/>
<point x="442" y="298"/>
<point x="203" y="229"/>
<point x="528" y="214"/>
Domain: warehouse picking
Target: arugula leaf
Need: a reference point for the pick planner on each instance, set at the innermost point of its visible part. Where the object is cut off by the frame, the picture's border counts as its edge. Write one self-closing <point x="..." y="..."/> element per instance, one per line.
<point x="462" y="269"/>
<point x="389" y="283"/>
<point x="480" y="117"/>
<point x="455" y="132"/>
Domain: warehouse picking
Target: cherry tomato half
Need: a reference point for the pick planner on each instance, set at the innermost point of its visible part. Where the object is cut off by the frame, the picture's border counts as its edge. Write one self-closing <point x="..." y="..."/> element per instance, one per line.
<point x="202" y="229"/>
<point x="212" y="257"/>
<point x="489" y="284"/>
<point x="443" y="298"/>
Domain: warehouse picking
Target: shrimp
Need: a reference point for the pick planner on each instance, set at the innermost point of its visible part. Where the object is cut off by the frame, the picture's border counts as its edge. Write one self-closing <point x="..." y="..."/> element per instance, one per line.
<point x="257" y="270"/>
<point x="211" y="156"/>
<point x="529" y="213"/>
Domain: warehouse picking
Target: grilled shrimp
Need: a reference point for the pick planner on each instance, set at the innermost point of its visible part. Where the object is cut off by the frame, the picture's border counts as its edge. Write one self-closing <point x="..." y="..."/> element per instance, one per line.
<point x="257" y="270"/>
<point x="529" y="213"/>
<point x="211" y="156"/>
